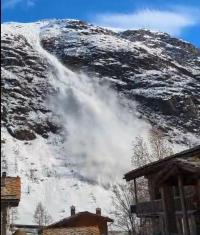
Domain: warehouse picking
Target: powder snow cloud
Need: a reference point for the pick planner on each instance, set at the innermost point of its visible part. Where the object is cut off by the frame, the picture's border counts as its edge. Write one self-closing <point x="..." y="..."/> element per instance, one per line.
<point x="172" y="21"/>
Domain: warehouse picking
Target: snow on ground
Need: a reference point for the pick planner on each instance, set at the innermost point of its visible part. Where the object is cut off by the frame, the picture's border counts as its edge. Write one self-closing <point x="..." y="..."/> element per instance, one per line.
<point x="95" y="153"/>
<point x="99" y="127"/>
<point x="43" y="179"/>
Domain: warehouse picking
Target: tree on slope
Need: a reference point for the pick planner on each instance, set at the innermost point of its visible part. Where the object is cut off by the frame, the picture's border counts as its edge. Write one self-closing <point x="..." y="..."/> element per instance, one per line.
<point x="156" y="148"/>
<point x="41" y="216"/>
<point x="144" y="152"/>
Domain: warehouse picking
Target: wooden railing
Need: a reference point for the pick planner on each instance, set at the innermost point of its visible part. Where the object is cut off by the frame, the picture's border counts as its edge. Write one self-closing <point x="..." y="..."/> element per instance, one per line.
<point x="190" y="204"/>
<point x="149" y="207"/>
<point x="155" y="206"/>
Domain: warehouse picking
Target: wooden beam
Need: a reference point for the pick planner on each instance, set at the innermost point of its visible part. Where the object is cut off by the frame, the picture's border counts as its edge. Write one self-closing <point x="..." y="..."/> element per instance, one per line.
<point x="155" y="166"/>
<point x="161" y="223"/>
<point x="179" y="225"/>
<point x="198" y="192"/>
<point x="183" y="205"/>
<point x="4" y="221"/>
<point x="189" y="167"/>
<point x="168" y="208"/>
<point x="166" y="224"/>
<point x="135" y="190"/>
<point x="193" y="225"/>
<point x="169" y="171"/>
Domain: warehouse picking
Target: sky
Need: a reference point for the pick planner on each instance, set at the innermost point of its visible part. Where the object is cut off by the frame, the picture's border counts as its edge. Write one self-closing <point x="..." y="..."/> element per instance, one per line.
<point x="179" y="18"/>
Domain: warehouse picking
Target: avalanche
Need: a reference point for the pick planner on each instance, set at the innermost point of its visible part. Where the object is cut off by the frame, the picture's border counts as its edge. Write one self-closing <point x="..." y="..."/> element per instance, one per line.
<point x="93" y="151"/>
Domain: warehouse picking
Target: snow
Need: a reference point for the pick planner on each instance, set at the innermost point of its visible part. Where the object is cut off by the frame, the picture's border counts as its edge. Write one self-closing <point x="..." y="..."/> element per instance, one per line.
<point x="54" y="185"/>
<point x="94" y="151"/>
<point x="79" y="169"/>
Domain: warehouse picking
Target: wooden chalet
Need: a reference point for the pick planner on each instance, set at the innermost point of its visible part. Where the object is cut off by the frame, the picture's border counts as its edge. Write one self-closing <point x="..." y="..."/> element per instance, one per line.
<point x="79" y="223"/>
<point x="174" y="192"/>
<point x="10" y="197"/>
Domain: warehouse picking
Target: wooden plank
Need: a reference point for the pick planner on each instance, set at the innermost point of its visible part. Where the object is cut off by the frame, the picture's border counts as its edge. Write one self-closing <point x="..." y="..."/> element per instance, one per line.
<point x="166" y="224"/>
<point x="170" y="170"/>
<point x="4" y="220"/>
<point x="183" y="205"/>
<point x="135" y="190"/>
<point x="169" y="209"/>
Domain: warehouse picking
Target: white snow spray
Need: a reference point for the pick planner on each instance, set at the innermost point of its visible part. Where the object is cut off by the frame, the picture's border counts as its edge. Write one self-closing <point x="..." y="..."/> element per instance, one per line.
<point x="100" y="124"/>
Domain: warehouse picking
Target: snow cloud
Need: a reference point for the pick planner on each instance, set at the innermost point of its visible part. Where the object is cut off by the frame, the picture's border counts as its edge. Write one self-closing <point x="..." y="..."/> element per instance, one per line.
<point x="170" y="21"/>
<point x="6" y="4"/>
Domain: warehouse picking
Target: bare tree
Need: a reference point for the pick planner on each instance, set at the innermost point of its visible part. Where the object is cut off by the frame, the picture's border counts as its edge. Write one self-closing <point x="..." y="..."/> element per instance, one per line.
<point x="144" y="152"/>
<point x="41" y="216"/>
<point x="156" y="148"/>
<point x="159" y="146"/>
<point x="141" y="154"/>
<point x="123" y="198"/>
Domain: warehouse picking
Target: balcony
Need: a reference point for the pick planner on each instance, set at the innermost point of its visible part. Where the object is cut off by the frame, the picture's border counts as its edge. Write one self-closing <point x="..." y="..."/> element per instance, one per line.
<point x="155" y="207"/>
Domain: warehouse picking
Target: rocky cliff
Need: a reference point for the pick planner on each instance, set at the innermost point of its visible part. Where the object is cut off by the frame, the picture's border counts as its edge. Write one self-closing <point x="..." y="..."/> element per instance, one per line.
<point x="160" y="72"/>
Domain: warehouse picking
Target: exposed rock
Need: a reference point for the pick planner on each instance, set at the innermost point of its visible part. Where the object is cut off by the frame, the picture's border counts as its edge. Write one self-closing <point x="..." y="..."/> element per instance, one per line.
<point x="22" y="134"/>
<point x="161" y="72"/>
<point x="25" y="89"/>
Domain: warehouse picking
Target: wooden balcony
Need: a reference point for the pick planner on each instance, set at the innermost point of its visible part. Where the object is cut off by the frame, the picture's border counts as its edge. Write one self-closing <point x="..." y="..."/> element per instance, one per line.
<point x="153" y="208"/>
<point x="148" y="208"/>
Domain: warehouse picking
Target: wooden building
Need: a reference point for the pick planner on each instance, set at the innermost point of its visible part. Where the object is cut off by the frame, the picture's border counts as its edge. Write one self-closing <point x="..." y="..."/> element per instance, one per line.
<point x="174" y="192"/>
<point x="10" y="197"/>
<point x="91" y="230"/>
<point x="79" y="223"/>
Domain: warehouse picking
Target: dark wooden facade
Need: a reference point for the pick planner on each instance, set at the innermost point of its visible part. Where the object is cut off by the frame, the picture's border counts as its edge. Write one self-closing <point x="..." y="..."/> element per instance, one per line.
<point x="174" y="190"/>
<point x="81" y="220"/>
<point x="10" y="197"/>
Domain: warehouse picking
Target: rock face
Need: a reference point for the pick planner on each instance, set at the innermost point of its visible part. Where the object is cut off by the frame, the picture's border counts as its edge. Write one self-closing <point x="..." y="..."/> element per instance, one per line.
<point x="160" y="72"/>
<point x="25" y="89"/>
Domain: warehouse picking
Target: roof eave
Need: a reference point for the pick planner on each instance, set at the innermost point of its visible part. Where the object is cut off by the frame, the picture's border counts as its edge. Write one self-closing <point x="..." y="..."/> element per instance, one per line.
<point x="152" y="167"/>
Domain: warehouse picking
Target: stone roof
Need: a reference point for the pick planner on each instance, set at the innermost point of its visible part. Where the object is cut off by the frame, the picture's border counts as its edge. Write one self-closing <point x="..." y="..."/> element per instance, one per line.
<point x="92" y="230"/>
<point x="10" y="189"/>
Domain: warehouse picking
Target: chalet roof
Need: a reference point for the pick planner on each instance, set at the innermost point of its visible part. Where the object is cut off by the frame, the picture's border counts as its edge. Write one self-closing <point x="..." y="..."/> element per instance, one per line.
<point x="188" y="160"/>
<point x="92" y="230"/>
<point x="71" y="220"/>
<point x="10" y="190"/>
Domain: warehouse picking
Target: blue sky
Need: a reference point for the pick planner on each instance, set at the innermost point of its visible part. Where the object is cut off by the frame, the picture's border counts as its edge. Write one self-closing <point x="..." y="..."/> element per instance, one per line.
<point x="180" y="18"/>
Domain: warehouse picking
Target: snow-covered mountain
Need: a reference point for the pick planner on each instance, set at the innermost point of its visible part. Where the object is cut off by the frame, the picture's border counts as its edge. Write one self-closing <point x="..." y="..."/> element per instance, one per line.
<point x="74" y="97"/>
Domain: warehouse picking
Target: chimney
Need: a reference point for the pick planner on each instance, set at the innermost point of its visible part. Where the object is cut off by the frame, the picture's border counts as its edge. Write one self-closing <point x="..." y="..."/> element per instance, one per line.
<point x="3" y="179"/>
<point x="98" y="211"/>
<point x="73" y="210"/>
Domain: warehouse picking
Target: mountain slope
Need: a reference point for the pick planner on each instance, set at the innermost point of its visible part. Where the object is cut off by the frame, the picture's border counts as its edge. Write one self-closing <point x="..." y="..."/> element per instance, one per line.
<point x="160" y="72"/>
<point x="74" y="97"/>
